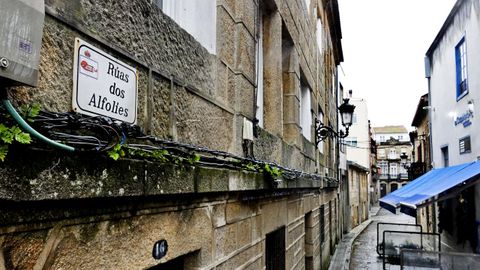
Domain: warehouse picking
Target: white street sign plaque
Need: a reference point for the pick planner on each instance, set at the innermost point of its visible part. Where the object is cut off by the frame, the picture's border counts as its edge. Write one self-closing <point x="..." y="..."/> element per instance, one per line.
<point x="103" y="85"/>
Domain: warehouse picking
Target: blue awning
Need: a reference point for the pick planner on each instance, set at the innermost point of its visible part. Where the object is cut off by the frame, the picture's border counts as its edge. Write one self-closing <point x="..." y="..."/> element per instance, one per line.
<point x="430" y="185"/>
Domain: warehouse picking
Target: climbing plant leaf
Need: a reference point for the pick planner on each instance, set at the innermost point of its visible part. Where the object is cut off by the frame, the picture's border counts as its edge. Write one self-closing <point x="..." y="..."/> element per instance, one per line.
<point x="114" y="155"/>
<point x="6" y="134"/>
<point x="116" y="152"/>
<point x="30" y="112"/>
<point x="23" y="138"/>
<point x="3" y="152"/>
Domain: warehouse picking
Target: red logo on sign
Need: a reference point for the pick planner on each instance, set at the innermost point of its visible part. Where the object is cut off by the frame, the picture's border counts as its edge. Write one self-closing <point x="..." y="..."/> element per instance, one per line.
<point x="87" y="67"/>
<point x="87" y="54"/>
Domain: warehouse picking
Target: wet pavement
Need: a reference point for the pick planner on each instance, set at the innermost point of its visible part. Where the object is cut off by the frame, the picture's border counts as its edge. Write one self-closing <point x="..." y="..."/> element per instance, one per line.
<point x="363" y="252"/>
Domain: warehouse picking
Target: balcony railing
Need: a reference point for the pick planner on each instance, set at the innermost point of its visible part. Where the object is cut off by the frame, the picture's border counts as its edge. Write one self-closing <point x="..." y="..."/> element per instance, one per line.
<point x="398" y="176"/>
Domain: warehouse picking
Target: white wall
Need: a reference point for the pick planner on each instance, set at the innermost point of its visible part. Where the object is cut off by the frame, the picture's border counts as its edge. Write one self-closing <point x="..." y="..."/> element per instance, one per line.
<point x="306" y="112"/>
<point x="259" y="71"/>
<point x="361" y="153"/>
<point x="443" y="90"/>
<point x="198" y="18"/>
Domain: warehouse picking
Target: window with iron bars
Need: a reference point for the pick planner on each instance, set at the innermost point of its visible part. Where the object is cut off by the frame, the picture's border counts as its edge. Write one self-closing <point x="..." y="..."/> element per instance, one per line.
<point x="465" y="145"/>
<point x="322" y="224"/>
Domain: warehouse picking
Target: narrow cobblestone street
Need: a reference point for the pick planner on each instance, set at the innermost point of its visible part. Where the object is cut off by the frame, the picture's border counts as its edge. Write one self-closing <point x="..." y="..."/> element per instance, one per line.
<point x="364" y="255"/>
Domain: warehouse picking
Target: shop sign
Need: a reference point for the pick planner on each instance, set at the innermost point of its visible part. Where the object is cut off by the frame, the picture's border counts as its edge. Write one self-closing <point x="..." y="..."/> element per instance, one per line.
<point x="464" y="119"/>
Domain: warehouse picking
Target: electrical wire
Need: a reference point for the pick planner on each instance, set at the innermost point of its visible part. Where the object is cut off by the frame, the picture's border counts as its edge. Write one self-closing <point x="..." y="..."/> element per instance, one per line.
<point x="23" y="124"/>
<point x="100" y="134"/>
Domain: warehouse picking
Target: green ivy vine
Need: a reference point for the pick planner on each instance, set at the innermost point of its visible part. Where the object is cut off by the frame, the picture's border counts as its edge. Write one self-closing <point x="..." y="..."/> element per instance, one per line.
<point x="273" y="172"/>
<point x="11" y="133"/>
<point x="270" y="171"/>
<point x="161" y="155"/>
<point x="164" y="156"/>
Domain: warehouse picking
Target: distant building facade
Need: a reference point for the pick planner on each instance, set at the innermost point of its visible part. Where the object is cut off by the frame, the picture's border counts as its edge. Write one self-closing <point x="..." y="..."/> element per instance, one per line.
<point x="382" y="134"/>
<point x="392" y="142"/>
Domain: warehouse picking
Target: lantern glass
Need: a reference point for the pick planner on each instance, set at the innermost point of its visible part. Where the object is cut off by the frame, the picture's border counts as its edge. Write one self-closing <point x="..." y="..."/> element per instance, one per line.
<point x="346" y="112"/>
<point x="346" y="119"/>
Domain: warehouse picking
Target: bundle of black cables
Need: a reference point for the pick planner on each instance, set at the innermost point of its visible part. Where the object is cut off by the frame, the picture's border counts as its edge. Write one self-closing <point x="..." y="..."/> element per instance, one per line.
<point x="103" y="134"/>
<point x="83" y="132"/>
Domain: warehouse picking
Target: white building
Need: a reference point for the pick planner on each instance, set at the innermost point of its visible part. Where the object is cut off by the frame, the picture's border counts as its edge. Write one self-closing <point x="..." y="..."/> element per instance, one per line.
<point x="383" y="134"/>
<point x="453" y="72"/>
<point x="452" y="67"/>
<point x="358" y="140"/>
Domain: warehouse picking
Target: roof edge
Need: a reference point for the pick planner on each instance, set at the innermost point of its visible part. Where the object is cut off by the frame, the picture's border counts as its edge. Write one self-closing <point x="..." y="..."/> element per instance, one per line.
<point x="356" y="165"/>
<point x="420" y="112"/>
<point x="444" y="27"/>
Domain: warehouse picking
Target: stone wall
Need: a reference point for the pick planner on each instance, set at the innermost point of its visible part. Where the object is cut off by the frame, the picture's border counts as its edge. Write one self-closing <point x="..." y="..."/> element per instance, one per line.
<point x="225" y="231"/>
<point x="140" y="35"/>
<point x="65" y="211"/>
<point x="358" y="195"/>
<point x="210" y="94"/>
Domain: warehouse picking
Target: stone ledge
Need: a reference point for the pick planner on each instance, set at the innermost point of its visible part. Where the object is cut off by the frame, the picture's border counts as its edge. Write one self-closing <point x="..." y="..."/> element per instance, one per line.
<point x="33" y="175"/>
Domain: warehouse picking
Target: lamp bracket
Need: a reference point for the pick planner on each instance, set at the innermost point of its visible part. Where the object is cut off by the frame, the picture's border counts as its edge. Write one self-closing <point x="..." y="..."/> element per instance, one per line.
<point x="322" y="132"/>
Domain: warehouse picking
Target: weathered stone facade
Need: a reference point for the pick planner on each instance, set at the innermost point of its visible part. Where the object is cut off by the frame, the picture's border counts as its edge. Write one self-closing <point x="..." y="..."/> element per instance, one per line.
<point x="358" y="193"/>
<point x="70" y="211"/>
<point x="421" y="162"/>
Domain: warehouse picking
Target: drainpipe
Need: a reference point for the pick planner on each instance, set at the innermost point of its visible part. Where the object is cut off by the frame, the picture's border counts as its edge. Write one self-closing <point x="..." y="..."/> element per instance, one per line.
<point x="430" y="117"/>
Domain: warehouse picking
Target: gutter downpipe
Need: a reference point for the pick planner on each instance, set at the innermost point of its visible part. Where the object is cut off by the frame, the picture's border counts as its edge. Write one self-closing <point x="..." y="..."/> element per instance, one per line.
<point x="430" y="117"/>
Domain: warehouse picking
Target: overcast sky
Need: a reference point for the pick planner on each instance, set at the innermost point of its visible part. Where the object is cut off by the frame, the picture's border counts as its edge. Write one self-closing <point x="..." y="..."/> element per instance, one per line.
<point x="384" y="44"/>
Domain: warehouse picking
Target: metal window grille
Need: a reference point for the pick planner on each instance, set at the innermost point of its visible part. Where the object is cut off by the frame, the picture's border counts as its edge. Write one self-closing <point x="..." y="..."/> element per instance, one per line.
<point x="465" y="145"/>
<point x="309" y="241"/>
<point x="330" y="226"/>
<point x="322" y="224"/>
<point x="275" y="250"/>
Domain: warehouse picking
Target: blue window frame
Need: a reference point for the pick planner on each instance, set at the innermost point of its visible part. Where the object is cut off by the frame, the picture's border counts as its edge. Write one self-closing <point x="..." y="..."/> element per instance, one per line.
<point x="461" y="68"/>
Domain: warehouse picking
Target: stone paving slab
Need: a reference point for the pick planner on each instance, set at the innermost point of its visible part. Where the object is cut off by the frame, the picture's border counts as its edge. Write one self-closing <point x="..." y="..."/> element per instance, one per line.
<point x="363" y="251"/>
<point x="341" y="258"/>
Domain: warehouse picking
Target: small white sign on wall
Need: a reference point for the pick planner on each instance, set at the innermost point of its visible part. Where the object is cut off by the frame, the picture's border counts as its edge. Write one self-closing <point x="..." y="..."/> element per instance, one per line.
<point x="103" y="85"/>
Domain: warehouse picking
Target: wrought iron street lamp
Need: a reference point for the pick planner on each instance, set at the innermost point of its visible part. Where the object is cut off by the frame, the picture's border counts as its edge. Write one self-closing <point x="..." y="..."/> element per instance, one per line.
<point x="405" y="164"/>
<point x="346" y="113"/>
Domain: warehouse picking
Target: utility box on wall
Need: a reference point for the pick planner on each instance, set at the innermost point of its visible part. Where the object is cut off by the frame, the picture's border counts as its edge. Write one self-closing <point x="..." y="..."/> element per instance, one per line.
<point x="21" y="28"/>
